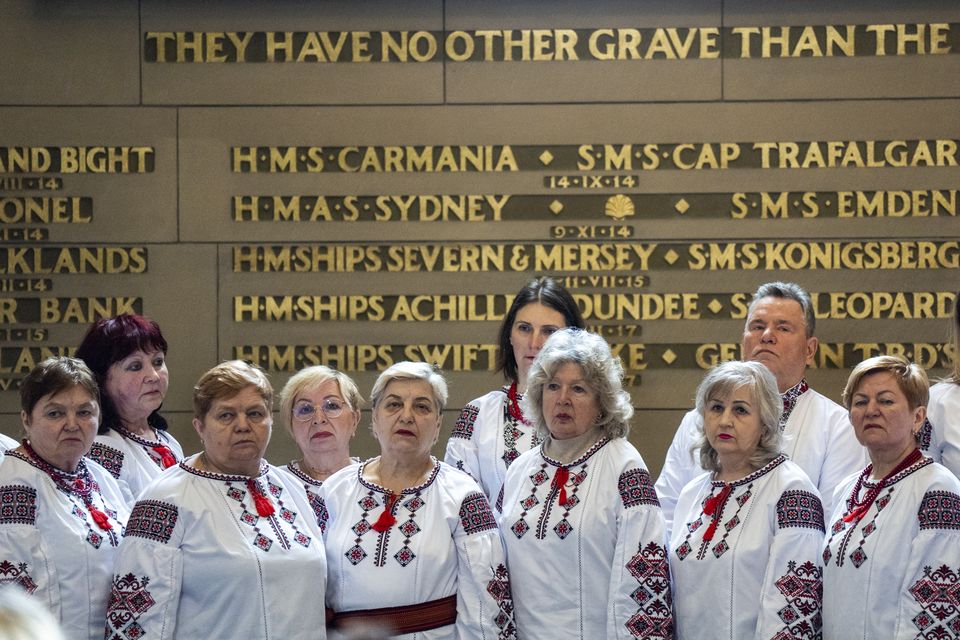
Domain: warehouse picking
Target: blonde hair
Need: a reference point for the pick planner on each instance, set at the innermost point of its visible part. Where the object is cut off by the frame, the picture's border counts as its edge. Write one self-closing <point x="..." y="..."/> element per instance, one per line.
<point x="311" y="378"/>
<point x="911" y="379"/>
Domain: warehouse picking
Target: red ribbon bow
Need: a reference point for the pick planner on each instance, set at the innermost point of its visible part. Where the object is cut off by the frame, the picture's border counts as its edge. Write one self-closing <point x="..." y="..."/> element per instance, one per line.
<point x="386" y="519"/>
<point x="714" y="507"/>
<point x="262" y="502"/>
<point x="559" y="481"/>
<point x="167" y="459"/>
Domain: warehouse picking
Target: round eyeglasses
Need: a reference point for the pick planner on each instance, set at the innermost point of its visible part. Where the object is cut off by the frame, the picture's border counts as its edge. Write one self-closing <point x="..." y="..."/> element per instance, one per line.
<point x="304" y="410"/>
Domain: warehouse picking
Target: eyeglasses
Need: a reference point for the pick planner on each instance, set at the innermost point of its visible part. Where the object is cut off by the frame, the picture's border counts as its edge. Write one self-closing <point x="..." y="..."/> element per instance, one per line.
<point x="304" y="410"/>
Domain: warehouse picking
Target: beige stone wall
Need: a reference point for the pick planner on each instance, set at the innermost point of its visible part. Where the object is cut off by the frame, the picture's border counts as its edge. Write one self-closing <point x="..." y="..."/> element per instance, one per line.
<point x="384" y="196"/>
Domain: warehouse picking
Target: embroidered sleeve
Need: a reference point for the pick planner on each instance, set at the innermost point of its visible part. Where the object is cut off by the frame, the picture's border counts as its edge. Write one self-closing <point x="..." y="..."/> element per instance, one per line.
<point x="939" y="609"/>
<point x="152" y="520"/>
<point x="24" y="557"/>
<point x="18" y="505"/>
<point x="484" y="603"/>
<point x="461" y="448"/>
<point x="929" y="607"/>
<point x="145" y="594"/>
<point x="636" y="489"/>
<point x="797" y="508"/>
<point x="939" y="510"/>
<point x="475" y="514"/>
<point x="464" y="425"/>
<point x="107" y="457"/>
<point x="792" y="588"/>
<point x="641" y="604"/>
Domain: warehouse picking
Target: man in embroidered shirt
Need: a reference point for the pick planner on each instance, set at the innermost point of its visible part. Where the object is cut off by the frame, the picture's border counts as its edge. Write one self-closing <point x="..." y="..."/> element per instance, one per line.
<point x="779" y="333"/>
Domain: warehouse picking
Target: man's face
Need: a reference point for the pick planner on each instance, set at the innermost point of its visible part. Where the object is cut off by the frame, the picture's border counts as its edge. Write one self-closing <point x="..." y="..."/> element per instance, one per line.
<point x="775" y="335"/>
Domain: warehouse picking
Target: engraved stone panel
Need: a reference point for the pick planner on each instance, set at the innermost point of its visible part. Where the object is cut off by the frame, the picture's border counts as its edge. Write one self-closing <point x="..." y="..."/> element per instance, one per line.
<point x="83" y="52"/>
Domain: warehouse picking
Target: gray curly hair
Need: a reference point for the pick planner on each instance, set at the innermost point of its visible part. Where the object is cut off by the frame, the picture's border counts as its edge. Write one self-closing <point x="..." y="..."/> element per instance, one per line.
<point x="602" y="372"/>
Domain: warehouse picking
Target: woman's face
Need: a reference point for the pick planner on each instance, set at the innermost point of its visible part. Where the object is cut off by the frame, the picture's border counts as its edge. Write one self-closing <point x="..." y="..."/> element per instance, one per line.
<point x="732" y="426"/>
<point x="323" y="422"/>
<point x="61" y="426"/>
<point x="533" y="324"/>
<point x="570" y="406"/>
<point x="881" y="416"/>
<point x="406" y="421"/>
<point x="235" y="432"/>
<point x="137" y="384"/>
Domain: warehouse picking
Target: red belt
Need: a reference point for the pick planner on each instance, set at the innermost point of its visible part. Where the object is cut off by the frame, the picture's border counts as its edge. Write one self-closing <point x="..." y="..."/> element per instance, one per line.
<point x="411" y="618"/>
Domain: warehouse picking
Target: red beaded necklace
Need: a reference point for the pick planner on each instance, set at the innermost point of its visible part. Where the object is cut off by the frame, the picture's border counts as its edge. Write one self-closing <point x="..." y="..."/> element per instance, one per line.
<point x="513" y="404"/>
<point x="81" y="485"/>
<point x="857" y="509"/>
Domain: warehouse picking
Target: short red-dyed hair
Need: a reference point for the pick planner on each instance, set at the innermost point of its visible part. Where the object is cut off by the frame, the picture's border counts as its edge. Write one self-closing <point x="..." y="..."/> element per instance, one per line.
<point x="112" y="339"/>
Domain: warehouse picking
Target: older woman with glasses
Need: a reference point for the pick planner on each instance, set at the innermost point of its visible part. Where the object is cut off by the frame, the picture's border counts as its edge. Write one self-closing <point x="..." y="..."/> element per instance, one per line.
<point x="412" y="545"/>
<point x="223" y="545"/>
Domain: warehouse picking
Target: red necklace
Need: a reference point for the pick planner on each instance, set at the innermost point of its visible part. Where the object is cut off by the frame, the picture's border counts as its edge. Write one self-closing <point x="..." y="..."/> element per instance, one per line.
<point x="81" y="485"/>
<point x="857" y="509"/>
<point x="513" y="404"/>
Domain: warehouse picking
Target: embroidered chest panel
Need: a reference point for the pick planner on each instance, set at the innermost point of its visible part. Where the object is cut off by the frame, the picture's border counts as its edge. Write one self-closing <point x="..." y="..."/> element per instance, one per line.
<point x="852" y="537"/>
<point x="517" y="437"/>
<point x="552" y="500"/>
<point x="369" y="542"/>
<point x="283" y="527"/>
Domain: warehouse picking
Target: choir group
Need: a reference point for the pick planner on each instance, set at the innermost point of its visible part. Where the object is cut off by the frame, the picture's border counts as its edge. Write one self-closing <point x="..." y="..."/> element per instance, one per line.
<point x="778" y="513"/>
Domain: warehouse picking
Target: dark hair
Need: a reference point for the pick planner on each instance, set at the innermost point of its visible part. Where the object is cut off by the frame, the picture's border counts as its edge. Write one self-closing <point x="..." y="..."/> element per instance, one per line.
<point x="547" y="292"/>
<point x="54" y="375"/>
<point x="110" y="340"/>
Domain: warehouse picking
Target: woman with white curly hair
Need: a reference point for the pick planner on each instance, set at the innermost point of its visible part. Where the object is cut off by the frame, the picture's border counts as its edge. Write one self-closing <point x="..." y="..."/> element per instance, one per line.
<point x="580" y="519"/>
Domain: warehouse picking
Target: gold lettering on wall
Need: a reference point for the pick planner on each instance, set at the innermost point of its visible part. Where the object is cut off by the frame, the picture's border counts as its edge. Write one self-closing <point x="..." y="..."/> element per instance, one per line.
<point x="551" y="44"/>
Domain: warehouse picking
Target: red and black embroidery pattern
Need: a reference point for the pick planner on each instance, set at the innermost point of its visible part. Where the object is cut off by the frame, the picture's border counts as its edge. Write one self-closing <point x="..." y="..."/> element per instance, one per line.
<point x="925" y="435"/>
<point x="800" y="509"/>
<point x="939" y="510"/>
<point x="802" y="589"/>
<point x="654" y="616"/>
<point x="790" y="397"/>
<point x="152" y="520"/>
<point x="129" y="599"/>
<point x="18" y="505"/>
<point x="463" y="428"/>
<point x="107" y="457"/>
<point x="499" y="590"/>
<point x="636" y="489"/>
<point x="937" y="594"/>
<point x="410" y="500"/>
<point x="511" y="427"/>
<point x="252" y="518"/>
<point x="475" y="514"/>
<point x="17" y="574"/>
<point x="550" y="473"/>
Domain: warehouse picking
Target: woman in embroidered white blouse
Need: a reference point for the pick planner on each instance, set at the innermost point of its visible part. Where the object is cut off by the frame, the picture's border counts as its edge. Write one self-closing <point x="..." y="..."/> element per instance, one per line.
<point x="128" y="355"/>
<point x="745" y="546"/>
<point x="61" y="515"/>
<point x="892" y="554"/>
<point x="223" y="545"/>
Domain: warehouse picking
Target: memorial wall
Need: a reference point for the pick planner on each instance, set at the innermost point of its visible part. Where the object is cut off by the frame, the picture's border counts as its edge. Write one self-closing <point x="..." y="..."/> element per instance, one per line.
<point x="357" y="183"/>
